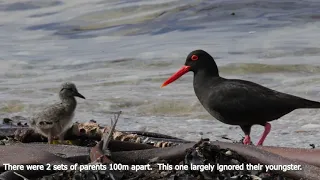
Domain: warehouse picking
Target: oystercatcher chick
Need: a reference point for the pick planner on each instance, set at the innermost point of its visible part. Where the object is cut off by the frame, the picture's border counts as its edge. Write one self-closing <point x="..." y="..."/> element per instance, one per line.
<point x="56" y="119"/>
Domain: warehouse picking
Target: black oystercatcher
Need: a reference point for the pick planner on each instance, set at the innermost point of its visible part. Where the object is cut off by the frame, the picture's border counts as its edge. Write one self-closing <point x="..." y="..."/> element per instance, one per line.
<point x="234" y="101"/>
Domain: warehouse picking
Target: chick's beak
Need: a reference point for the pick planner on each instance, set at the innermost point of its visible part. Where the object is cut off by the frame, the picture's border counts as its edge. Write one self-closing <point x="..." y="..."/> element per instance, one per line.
<point x="79" y="95"/>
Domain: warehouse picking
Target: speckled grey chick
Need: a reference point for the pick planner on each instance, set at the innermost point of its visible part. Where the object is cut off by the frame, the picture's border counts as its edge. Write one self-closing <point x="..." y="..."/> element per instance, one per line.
<point x="56" y="119"/>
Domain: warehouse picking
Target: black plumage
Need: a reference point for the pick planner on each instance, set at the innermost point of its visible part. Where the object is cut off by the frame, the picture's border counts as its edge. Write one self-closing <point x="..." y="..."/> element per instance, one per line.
<point x="235" y="101"/>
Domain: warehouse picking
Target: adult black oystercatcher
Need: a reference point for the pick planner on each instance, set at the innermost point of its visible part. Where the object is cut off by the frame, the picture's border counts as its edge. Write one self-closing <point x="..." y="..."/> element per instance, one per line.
<point x="234" y="101"/>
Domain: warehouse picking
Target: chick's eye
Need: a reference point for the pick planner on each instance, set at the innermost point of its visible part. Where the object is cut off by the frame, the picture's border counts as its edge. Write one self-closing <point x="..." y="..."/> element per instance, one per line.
<point x="68" y="89"/>
<point x="194" y="57"/>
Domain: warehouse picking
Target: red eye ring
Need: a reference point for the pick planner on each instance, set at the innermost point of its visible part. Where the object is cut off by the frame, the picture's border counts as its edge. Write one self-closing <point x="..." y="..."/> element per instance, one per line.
<point x="194" y="57"/>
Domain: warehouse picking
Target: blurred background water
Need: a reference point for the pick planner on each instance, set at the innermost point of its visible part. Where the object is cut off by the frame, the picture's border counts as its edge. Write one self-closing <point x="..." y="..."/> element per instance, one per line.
<point x="118" y="52"/>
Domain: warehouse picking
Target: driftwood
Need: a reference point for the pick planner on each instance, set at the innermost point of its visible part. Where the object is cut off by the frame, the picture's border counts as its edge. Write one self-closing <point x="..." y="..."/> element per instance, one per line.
<point x="108" y="135"/>
<point x="251" y="154"/>
<point x="74" y="154"/>
<point x="135" y="147"/>
<point x="28" y="155"/>
<point x="309" y="156"/>
<point x="255" y="155"/>
<point x="16" y="175"/>
<point x="25" y="155"/>
<point x="172" y="155"/>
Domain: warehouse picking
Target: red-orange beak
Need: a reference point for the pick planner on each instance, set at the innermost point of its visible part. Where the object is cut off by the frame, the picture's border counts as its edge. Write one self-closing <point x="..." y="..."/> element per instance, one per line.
<point x="175" y="76"/>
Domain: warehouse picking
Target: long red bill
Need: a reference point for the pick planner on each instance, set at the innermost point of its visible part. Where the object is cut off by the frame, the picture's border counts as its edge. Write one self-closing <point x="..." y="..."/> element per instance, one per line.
<point x="175" y="76"/>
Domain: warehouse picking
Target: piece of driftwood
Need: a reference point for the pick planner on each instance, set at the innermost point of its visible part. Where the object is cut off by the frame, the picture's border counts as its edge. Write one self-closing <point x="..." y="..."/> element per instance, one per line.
<point x="116" y="146"/>
<point x="255" y="155"/>
<point x="108" y="134"/>
<point x="26" y="155"/>
<point x="16" y="175"/>
<point x="100" y="153"/>
<point x="134" y="147"/>
<point x="97" y="154"/>
<point x="173" y="155"/>
<point x="251" y="154"/>
<point x="75" y="154"/>
<point x="310" y="156"/>
<point x="176" y="154"/>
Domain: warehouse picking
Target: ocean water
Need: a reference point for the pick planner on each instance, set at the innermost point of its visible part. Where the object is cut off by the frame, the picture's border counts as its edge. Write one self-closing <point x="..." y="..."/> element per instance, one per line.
<point x="118" y="53"/>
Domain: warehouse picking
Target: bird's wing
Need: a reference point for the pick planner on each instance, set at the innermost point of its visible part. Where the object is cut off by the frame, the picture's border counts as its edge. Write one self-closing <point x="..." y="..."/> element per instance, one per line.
<point x="51" y="114"/>
<point x="250" y="100"/>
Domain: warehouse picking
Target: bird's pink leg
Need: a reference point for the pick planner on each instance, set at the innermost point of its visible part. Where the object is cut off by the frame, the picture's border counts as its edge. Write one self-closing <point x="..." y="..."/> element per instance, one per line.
<point x="246" y="140"/>
<point x="267" y="128"/>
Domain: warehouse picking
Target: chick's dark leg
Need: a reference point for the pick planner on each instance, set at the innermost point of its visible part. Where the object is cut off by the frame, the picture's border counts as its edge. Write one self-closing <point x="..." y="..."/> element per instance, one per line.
<point x="246" y="129"/>
<point x="61" y="137"/>
<point x="50" y="138"/>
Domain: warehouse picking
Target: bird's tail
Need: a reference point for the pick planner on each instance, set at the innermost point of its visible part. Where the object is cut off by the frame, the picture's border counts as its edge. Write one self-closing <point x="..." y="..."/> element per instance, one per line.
<point x="310" y="104"/>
